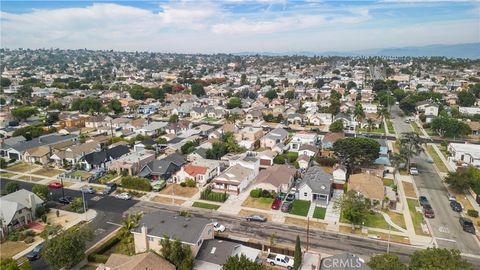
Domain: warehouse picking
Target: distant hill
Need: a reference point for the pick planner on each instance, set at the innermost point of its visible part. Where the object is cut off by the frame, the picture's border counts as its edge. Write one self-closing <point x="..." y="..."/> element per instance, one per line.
<point x="467" y="50"/>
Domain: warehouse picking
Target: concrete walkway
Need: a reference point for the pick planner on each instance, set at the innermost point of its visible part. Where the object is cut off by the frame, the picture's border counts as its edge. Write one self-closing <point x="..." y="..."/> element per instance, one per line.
<point x="391" y="223"/>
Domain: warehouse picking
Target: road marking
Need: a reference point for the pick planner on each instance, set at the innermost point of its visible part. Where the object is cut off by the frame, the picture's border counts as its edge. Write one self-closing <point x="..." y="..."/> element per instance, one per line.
<point x="96" y="198"/>
<point x="444" y="229"/>
<point x="108" y="222"/>
<point x="446" y="239"/>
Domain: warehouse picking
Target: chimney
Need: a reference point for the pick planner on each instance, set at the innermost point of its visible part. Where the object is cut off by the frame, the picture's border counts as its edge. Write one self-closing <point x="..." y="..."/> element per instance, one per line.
<point x="144" y="230"/>
<point x="32" y="204"/>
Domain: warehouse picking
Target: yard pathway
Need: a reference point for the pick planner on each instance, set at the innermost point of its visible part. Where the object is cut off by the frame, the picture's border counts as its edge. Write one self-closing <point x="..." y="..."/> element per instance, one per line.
<point x="391" y="223"/>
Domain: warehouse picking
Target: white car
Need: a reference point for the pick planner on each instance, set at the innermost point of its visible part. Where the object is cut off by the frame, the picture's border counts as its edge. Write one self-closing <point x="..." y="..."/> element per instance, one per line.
<point x="123" y="196"/>
<point x="217" y="227"/>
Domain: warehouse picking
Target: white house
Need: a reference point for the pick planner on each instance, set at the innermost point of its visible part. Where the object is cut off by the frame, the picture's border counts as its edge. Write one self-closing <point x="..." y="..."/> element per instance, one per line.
<point x="469" y="110"/>
<point x="301" y="138"/>
<point x="316" y="186"/>
<point x="339" y="176"/>
<point x="369" y="108"/>
<point x="464" y="153"/>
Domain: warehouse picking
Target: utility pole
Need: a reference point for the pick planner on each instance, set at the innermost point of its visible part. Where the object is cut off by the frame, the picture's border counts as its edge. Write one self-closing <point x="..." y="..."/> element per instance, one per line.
<point x="84" y="206"/>
<point x="388" y="243"/>
<point x="308" y="231"/>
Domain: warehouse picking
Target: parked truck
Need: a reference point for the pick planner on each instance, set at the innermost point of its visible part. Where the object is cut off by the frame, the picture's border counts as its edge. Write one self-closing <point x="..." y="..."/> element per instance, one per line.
<point x="280" y="260"/>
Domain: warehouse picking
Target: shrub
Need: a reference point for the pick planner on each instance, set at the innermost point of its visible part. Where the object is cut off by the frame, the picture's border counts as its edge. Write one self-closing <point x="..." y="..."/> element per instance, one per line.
<point x="40" y="211"/>
<point x="190" y="183"/>
<point x="28" y="240"/>
<point x="210" y="195"/>
<point x="44" y="218"/>
<point x="13" y="237"/>
<point x="472" y="213"/>
<point x="183" y="184"/>
<point x="255" y="193"/>
<point x="97" y="258"/>
<point x="138" y="183"/>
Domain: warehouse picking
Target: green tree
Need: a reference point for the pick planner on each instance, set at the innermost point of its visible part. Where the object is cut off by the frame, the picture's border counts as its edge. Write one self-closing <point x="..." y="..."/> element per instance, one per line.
<point x="42" y="102"/>
<point x="399" y="94"/>
<point x="354" y="207"/>
<point x="319" y="83"/>
<point x="271" y="94"/>
<point x="198" y="90"/>
<point x="128" y="224"/>
<point x="177" y="253"/>
<point x="11" y="264"/>
<point x="22" y="113"/>
<point x="234" y="102"/>
<point x="5" y="82"/>
<point x="115" y="106"/>
<point x="466" y="98"/>
<point x="358" y="112"/>
<point x="188" y="147"/>
<point x="386" y="262"/>
<point x="51" y="118"/>
<point x="243" y="79"/>
<point x="289" y="95"/>
<point x="88" y="104"/>
<point x="357" y="151"/>
<point x="463" y="179"/>
<point x="336" y="126"/>
<point x="450" y="127"/>
<point x="241" y="263"/>
<point x="76" y="205"/>
<point x="217" y="151"/>
<point x="67" y="248"/>
<point x="410" y="146"/>
<point x="297" y="258"/>
<point x="11" y="187"/>
<point x="438" y="258"/>
<point x="351" y="84"/>
<point x="24" y="92"/>
<point x="173" y="118"/>
<point x="41" y="191"/>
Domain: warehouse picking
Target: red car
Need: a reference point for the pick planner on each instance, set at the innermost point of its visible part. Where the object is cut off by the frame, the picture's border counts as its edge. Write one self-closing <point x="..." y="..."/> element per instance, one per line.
<point x="55" y="185"/>
<point x="428" y="211"/>
<point x="276" y="203"/>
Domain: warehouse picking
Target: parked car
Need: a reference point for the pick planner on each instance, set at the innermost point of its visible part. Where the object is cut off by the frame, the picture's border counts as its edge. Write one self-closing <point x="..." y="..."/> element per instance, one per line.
<point x="428" y="211"/>
<point x="413" y="171"/>
<point x="35" y="253"/>
<point x="290" y="197"/>
<point x="66" y="199"/>
<point x="467" y="225"/>
<point x="258" y="218"/>
<point x="456" y="206"/>
<point x="109" y="188"/>
<point x="429" y="160"/>
<point x="123" y="196"/>
<point x="87" y="189"/>
<point x="158" y="185"/>
<point x="280" y="260"/>
<point x="276" y="203"/>
<point x="217" y="227"/>
<point x="423" y="201"/>
<point x="451" y="197"/>
<point x="286" y="207"/>
<point x="282" y="195"/>
<point x="54" y="185"/>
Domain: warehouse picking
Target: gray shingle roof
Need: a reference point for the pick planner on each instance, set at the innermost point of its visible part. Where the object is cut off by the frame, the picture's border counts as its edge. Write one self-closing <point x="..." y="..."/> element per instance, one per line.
<point x="42" y="140"/>
<point x="160" y="223"/>
<point x="318" y="180"/>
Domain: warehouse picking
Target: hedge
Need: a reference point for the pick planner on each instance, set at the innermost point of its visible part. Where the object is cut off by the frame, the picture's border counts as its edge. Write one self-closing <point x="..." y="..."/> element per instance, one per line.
<point x="472" y="213"/>
<point x="97" y="258"/>
<point x="138" y="183"/>
<point x="258" y="192"/>
<point x="210" y="195"/>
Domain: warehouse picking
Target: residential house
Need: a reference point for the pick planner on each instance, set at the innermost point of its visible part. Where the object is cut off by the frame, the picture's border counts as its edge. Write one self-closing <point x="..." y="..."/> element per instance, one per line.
<point x="132" y="163"/>
<point x="200" y="170"/>
<point x="191" y="231"/>
<point x="308" y="150"/>
<point x="369" y="108"/>
<point x="475" y="127"/>
<point x="330" y="138"/>
<point x="248" y="136"/>
<point x="16" y="151"/>
<point x="428" y="108"/>
<point x="277" y="178"/>
<point x="197" y="112"/>
<point x="339" y="176"/>
<point x="295" y="118"/>
<point x="266" y="158"/>
<point x="303" y="162"/>
<point x="163" y="168"/>
<point x="18" y="209"/>
<point x="97" y="121"/>
<point x="469" y="110"/>
<point x="318" y="119"/>
<point x="147" y="260"/>
<point x="72" y="154"/>
<point x="254" y="115"/>
<point x="348" y="122"/>
<point x="102" y="159"/>
<point x="178" y="127"/>
<point x="316" y="186"/>
<point x="371" y="120"/>
<point x="462" y="153"/>
<point x="274" y="137"/>
<point x="369" y="185"/>
<point x="238" y="176"/>
<point x="302" y="138"/>
<point x="152" y="128"/>
<point x="38" y="155"/>
<point x="215" y="252"/>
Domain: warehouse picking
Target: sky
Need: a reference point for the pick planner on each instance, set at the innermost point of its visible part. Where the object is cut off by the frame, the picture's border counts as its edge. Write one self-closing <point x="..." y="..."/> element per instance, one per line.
<point x="232" y="26"/>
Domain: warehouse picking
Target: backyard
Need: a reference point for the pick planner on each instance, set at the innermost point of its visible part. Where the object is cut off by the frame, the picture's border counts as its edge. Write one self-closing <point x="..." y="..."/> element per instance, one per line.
<point x="300" y="208"/>
<point x="260" y="203"/>
<point x="206" y="205"/>
<point x="177" y="190"/>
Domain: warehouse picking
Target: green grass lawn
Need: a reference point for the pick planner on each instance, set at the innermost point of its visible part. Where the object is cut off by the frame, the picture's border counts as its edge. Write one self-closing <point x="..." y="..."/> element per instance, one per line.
<point x="417" y="217"/>
<point x="292" y="155"/>
<point x="81" y="174"/>
<point x="106" y="177"/>
<point x="300" y="208"/>
<point x="6" y="175"/>
<point x="375" y="220"/>
<point x="388" y="182"/>
<point x="416" y="129"/>
<point x="390" y="127"/>
<point x="319" y="212"/>
<point x="380" y="130"/>
<point x="209" y="119"/>
<point x="430" y="132"/>
<point x="205" y="205"/>
<point x="436" y="158"/>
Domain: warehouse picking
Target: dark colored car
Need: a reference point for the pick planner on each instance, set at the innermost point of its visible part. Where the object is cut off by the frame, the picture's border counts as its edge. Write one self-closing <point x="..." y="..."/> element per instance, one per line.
<point x="276" y="203"/>
<point x="65" y="200"/>
<point x="282" y="195"/>
<point x="35" y="253"/>
<point x="423" y="201"/>
<point x="456" y="206"/>
<point x="467" y="225"/>
<point x="258" y="218"/>
<point x="286" y="207"/>
<point x="428" y="211"/>
<point x="290" y="197"/>
<point x="109" y="188"/>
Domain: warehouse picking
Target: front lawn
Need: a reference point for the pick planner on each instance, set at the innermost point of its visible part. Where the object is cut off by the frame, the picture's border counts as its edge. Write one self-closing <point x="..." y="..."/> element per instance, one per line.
<point x="82" y="174"/>
<point x="436" y="159"/>
<point x="390" y="127"/>
<point x="106" y="178"/>
<point x="48" y="172"/>
<point x="319" y="212"/>
<point x="388" y="182"/>
<point x="206" y="205"/>
<point x="12" y="248"/>
<point x="6" y="175"/>
<point x="417" y="217"/>
<point x="260" y="203"/>
<point x="22" y="167"/>
<point x="210" y="120"/>
<point x="416" y="129"/>
<point x="397" y="219"/>
<point x="376" y="220"/>
<point x="409" y="190"/>
<point x="300" y="208"/>
<point x="177" y="190"/>
<point x="380" y="130"/>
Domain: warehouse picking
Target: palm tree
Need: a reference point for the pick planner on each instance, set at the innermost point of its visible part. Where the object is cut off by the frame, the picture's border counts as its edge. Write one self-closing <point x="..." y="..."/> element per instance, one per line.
<point x="128" y="224"/>
<point x="369" y="124"/>
<point x="410" y="145"/>
<point x="397" y="159"/>
<point x="232" y="118"/>
<point x="384" y="113"/>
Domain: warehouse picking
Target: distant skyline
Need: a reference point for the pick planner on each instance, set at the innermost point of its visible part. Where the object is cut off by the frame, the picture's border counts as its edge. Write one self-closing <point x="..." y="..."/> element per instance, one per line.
<point x="233" y="26"/>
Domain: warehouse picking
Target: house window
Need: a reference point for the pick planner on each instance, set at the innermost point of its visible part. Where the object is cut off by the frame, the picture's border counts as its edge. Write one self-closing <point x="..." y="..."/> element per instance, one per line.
<point x="199" y="243"/>
<point x="150" y="239"/>
<point x="305" y="194"/>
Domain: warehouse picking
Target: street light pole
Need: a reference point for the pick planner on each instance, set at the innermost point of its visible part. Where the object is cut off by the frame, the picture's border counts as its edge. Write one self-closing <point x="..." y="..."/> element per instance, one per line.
<point x="388" y="243"/>
<point x="84" y="206"/>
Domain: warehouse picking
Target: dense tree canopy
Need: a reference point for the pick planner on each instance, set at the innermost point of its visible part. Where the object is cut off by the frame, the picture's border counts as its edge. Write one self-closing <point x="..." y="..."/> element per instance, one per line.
<point x="271" y="94"/>
<point x="386" y="262"/>
<point x="354" y="207"/>
<point x="241" y="263"/>
<point x="198" y="90"/>
<point x="438" y="258"/>
<point x="115" y="106"/>
<point x="450" y="127"/>
<point x="88" y="104"/>
<point x="357" y="151"/>
<point x="466" y="98"/>
<point x="336" y="126"/>
<point x="234" y="102"/>
<point x="24" y="112"/>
